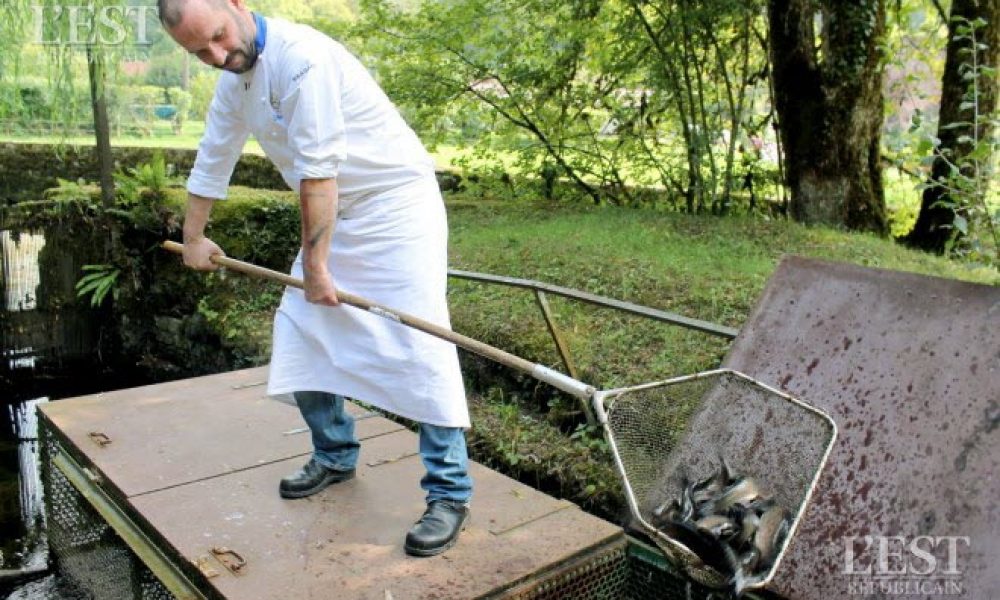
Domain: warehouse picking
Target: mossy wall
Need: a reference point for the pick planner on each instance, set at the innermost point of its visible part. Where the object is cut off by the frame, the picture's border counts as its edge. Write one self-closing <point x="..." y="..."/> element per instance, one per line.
<point x="27" y="170"/>
<point x="162" y="319"/>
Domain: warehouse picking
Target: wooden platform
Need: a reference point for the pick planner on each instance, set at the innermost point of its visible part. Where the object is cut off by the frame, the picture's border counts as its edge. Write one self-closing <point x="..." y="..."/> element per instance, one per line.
<point x="197" y="464"/>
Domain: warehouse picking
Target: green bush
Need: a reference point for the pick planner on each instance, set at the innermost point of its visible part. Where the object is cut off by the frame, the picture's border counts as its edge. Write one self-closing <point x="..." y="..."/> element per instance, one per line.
<point x="202" y="88"/>
<point x="30" y="103"/>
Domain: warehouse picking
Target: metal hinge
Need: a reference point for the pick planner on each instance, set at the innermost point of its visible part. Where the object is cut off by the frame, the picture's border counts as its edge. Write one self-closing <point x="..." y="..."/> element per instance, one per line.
<point x="99" y="438"/>
<point x="229" y="559"/>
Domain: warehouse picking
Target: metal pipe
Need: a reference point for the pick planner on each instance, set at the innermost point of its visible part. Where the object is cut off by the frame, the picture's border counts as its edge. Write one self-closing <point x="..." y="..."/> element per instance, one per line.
<point x="563" y="349"/>
<point x="629" y="307"/>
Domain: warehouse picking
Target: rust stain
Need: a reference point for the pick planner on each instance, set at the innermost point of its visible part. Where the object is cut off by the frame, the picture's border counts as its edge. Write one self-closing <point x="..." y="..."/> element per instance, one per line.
<point x="918" y="420"/>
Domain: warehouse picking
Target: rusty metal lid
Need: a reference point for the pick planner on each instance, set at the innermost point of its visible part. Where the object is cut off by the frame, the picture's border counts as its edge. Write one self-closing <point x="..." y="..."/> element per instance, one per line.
<point x="909" y="368"/>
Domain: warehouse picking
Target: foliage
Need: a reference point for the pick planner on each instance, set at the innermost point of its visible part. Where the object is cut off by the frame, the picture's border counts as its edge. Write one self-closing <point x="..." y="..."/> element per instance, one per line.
<point x="30" y="103"/>
<point x="582" y="96"/>
<point x="64" y="58"/>
<point x="915" y="62"/>
<point x="150" y="178"/>
<point x="74" y="208"/>
<point x="517" y="441"/>
<point x="304" y="11"/>
<point x="259" y="226"/>
<point x="202" y="88"/>
<point x="97" y="282"/>
<point x="170" y="320"/>
<point x="712" y="57"/>
<point x="15" y="26"/>
<point x="970" y="167"/>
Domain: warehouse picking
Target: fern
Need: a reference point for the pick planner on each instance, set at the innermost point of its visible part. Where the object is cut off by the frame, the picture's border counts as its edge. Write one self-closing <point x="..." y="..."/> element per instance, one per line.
<point x="98" y="281"/>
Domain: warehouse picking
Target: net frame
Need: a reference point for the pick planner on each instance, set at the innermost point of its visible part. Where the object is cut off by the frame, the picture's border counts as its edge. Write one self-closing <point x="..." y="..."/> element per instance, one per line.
<point x="604" y="405"/>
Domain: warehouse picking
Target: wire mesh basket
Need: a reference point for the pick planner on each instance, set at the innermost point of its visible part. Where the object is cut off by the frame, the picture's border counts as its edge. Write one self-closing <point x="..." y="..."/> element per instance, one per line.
<point x="93" y="561"/>
<point x="669" y="434"/>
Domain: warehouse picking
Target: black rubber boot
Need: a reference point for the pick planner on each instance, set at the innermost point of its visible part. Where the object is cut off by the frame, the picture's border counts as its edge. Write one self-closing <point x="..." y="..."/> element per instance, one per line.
<point x="311" y="478"/>
<point x="438" y="528"/>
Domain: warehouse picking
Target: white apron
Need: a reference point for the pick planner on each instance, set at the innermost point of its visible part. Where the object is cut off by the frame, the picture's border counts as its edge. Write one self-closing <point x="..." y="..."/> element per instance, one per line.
<point x="389" y="247"/>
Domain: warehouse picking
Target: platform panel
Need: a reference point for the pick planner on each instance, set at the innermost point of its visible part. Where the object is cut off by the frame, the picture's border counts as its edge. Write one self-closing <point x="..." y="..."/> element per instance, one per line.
<point x="173" y="433"/>
<point x="348" y="540"/>
<point x="216" y="486"/>
<point x="909" y="368"/>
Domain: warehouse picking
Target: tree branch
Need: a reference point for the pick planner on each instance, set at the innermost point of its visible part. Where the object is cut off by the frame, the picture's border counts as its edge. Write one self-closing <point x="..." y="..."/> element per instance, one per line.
<point x="940" y="11"/>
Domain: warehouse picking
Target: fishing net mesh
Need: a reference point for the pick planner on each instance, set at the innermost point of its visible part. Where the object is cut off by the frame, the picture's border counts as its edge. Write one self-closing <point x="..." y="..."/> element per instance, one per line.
<point x="670" y="433"/>
<point x="95" y="561"/>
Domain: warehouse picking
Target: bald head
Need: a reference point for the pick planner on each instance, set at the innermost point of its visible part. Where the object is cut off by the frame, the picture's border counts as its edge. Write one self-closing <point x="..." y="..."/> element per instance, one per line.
<point x="171" y="11"/>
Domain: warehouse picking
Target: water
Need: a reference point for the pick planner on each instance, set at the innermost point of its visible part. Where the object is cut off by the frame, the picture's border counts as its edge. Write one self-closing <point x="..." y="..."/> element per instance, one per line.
<point x="50" y="587"/>
<point x="35" y="366"/>
<point x="26" y="571"/>
<point x="21" y="502"/>
<point x="24" y="556"/>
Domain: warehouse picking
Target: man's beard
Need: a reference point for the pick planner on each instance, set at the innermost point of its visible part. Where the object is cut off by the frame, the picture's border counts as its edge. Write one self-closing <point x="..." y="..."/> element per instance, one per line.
<point x="249" y="59"/>
<point x="249" y="50"/>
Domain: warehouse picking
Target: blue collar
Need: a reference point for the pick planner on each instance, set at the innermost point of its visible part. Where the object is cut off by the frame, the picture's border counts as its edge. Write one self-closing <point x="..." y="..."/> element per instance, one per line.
<point x="261" y="32"/>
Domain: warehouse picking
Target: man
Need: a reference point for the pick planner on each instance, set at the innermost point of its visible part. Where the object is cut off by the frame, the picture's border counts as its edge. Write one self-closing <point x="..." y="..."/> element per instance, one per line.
<point x="372" y="221"/>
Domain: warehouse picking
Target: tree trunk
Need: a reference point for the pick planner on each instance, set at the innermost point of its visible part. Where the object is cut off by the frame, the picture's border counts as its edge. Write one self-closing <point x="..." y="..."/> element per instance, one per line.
<point x="934" y="229"/>
<point x="682" y="98"/>
<point x="102" y="131"/>
<point x="734" y="106"/>
<point x="830" y="109"/>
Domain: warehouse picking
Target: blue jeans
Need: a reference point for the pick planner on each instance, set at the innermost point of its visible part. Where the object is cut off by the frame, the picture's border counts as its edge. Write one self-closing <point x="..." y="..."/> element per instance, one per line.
<point x="336" y="447"/>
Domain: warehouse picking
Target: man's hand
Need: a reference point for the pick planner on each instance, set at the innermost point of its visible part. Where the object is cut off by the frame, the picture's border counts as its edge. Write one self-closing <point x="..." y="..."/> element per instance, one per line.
<point x="198" y="252"/>
<point x="319" y="287"/>
<point x="198" y="248"/>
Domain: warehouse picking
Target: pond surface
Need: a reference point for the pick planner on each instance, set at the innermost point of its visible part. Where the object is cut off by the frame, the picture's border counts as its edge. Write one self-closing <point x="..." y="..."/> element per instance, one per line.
<point x="26" y="569"/>
<point x="34" y="368"/>
<point x="22" y="546"/>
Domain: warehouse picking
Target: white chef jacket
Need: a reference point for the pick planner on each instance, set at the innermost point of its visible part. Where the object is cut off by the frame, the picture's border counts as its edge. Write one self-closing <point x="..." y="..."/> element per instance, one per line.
<point x="317" y="113"/>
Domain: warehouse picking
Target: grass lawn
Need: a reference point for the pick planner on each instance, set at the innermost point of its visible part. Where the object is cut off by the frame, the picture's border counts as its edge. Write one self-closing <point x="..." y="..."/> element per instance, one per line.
<point x="161" y="135"/>
<point x="703" y="267"/>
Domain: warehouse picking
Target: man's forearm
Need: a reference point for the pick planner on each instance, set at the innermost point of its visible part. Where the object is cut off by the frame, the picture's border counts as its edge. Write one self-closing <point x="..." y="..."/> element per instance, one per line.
<point x="198" y="210"/>
<point x="319" y="212"/>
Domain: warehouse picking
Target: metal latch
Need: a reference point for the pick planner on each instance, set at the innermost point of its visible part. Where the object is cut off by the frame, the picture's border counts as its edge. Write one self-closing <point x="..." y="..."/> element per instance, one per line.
<point x="229" y="559"/>
<point x="99" y="438"/>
